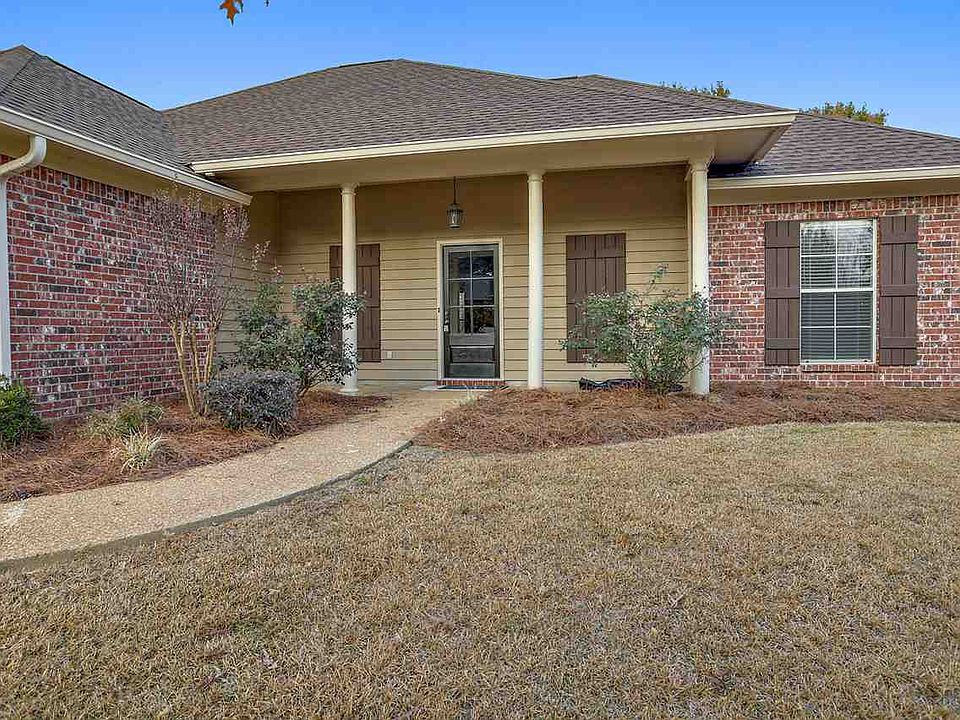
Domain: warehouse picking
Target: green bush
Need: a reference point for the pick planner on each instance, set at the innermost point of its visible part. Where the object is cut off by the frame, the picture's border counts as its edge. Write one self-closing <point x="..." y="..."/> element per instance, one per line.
<point x="264" y="400"/>
<point x="129" y="418"/>
<point x="659" y="336"/>
<point x="311" y="348"/>
<point x="18" y="416"/>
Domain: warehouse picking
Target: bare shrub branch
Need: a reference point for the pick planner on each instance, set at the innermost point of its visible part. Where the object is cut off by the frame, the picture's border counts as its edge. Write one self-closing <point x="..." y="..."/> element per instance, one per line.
<point x="192" y="280"/>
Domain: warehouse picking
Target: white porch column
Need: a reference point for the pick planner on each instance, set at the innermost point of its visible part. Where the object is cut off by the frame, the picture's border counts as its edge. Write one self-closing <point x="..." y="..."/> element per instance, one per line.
<point x="535" y="282"/>
<point x="699" y="260"/>
<point x="349" y="257"/>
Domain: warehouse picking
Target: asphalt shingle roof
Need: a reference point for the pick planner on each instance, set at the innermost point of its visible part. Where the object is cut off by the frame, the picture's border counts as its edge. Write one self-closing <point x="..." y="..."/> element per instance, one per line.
<point x="44" y="89"/>
<point x="817" y="144"/>
<point x="814" y="143"/>
<point x="397" y="101"/>
<point x="662" y="92"/>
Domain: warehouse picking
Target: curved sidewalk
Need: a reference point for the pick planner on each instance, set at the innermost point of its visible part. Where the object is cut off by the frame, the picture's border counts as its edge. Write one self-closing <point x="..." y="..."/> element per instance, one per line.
<point x="71" y="521"/>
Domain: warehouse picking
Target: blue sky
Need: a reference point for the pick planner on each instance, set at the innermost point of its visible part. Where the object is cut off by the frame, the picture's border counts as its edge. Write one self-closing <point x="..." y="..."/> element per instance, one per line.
<point x="902" y="56"/>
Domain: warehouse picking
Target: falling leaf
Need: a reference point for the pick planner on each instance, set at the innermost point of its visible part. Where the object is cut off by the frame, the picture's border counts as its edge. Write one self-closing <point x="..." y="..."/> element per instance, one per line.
<point x="232" y="7"/>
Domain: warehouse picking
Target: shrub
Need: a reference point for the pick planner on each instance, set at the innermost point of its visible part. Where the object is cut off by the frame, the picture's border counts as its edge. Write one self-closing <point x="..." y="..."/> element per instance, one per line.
<point x="18" y="415"/>
<point x="139" y="449"/>
<point x="312" y="348"/>
<point x="265" y="400"/>
<point x="130" y="417"/>
<point x="660" y="336"/>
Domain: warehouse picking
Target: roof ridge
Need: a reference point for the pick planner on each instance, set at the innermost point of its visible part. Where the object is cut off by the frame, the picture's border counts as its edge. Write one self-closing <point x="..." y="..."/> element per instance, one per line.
<point x="21" y="46"/>
<point x="281" y="80"/>
<point x="30" y="57"/>
<point x="555" y="82"/>
<point x="102" y="84"/>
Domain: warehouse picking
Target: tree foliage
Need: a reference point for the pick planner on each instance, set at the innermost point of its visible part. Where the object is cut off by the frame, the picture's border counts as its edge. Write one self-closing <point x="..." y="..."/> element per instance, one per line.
<point x="831" y="109"/>
<point x="234" y="7"/>
<point x="718" y="89"/>
<point x="659" y="336"/>
<point x="851" y="111"/>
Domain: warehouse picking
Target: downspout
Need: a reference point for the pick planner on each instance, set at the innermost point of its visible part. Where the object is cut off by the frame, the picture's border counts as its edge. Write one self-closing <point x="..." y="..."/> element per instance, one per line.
<point x="35" y="155"/>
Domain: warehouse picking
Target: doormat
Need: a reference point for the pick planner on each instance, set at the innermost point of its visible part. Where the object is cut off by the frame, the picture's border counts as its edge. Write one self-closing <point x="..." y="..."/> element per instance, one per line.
<point x="480" y="385"/>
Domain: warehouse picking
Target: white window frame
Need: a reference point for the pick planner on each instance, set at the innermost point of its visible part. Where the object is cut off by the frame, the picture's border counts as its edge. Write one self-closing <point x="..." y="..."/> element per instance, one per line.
<point x="836" y="290"/>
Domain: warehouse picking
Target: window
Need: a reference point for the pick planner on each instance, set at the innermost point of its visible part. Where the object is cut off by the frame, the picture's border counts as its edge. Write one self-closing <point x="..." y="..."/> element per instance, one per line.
<point x="837" y="295"/>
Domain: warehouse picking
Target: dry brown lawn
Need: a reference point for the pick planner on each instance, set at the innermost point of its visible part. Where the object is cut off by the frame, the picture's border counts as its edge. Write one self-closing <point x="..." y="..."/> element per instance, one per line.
<point x="777" y="572"/>
<point x="524" y="420"/>
<point x="65" y="459"/>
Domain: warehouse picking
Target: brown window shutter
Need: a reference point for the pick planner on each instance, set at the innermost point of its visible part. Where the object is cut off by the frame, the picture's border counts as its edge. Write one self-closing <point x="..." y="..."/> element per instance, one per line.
<point x="368" y="287"/>
<point x="336" y="262"/>
<point x="336" y="273"/>
<point x="596" y="264"/>
<point x="897" y="319"/>
<point x="782" y="293"/>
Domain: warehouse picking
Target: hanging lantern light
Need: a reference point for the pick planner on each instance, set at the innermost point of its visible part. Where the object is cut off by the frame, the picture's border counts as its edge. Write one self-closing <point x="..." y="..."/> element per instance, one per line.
<point x="454" y="211"/>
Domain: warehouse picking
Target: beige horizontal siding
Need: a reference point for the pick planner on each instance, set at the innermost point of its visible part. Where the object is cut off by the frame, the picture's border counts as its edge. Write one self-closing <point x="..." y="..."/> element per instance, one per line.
<point x="264" y="223"/>
<point x="408" y="221"/>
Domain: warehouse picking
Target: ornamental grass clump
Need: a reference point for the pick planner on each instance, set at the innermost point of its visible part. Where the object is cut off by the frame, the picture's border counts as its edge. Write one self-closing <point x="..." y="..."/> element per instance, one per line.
<point x="660" y="336"/>
<point x="139" y="450"/>
<point x="130" y="417"/>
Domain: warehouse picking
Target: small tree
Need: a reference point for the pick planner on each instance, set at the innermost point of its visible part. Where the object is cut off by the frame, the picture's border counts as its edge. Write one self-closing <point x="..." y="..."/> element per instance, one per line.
<point x="659" y="336"/>
<point x="191" y="280"/>
<point x="312" y="348"/>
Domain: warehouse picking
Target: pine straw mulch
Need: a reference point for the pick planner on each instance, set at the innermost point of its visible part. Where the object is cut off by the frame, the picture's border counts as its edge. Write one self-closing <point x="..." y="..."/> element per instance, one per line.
<point x="792" y="571"/>
<point x="526" y="420"/>
<point x="64" y="460"/>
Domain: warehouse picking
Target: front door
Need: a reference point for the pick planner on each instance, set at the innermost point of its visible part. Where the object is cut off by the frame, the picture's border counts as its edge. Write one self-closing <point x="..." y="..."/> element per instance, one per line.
<point x="470" y="315"/>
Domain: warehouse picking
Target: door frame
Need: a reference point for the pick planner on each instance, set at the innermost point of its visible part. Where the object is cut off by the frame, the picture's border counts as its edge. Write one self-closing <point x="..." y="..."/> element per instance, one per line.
<point x="441" y="245"/>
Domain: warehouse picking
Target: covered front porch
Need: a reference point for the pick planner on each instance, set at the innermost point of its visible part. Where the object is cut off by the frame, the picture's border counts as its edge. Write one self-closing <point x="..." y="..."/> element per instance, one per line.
<point x="492" y="299"/>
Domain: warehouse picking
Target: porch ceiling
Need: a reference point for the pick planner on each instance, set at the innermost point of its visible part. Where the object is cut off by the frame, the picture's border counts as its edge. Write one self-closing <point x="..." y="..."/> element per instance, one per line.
<point x="400" y="164"/>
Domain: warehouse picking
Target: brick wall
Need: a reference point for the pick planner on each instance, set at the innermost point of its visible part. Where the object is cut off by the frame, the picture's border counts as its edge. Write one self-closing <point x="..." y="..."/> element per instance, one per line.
<point x="82" y="335"/>
<point x="737" y="276"/>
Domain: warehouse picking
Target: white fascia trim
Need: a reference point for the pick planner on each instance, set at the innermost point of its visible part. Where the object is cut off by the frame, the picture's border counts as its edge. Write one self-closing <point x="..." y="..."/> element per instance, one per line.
<point x="837" y="178"/>
<point x="608" y="132"/>
<point x="69" y="138"/>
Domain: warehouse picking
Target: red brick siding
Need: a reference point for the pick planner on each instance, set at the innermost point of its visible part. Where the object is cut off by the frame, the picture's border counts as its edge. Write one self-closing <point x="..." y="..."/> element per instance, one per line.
<point x="81" y="332"/>
<point x="737" y="274"/>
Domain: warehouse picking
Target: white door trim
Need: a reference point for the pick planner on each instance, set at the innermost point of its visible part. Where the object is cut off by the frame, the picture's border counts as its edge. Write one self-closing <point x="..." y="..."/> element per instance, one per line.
<point x="441" y="244"/>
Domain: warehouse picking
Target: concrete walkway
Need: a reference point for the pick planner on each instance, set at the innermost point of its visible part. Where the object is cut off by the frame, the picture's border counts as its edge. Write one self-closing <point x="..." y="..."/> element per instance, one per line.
<point x="70" y="521"/>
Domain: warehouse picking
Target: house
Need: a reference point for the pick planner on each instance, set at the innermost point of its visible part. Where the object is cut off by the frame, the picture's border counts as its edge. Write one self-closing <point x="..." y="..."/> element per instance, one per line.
<point x="473" y="210"/>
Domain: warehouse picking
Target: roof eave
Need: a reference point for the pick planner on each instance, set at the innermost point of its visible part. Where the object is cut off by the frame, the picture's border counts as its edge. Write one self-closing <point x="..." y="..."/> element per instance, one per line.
<point x="607" y="132"/>
<point x="77" y="141"/>
<point x="836" y="178"/>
